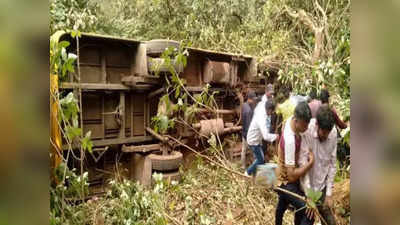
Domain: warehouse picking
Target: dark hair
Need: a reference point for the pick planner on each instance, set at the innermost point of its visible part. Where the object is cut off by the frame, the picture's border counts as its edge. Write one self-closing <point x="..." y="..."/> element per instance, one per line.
<point x="313" y="94"/>
<point x="325" y="118"/>
<point x="302" y="112"/>
<point x="279" y="98"/>
<point x="286" y="92"/>
<point x="269" y="105"/>
<point x="324" y="96"/>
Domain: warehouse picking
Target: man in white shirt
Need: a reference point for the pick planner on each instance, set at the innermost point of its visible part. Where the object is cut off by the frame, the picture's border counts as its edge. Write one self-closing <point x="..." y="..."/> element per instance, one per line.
<point x="260" y="108"/>
<point x="321" y="138"/>
<point x="269" y="94"/>
<point x="291" y="146"/>
<point x="258" y="131"/>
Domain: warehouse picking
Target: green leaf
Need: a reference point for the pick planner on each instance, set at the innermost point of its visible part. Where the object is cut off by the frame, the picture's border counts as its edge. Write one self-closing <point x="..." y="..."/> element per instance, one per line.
<point x="87" y="144"/>
<point x="70" y="66"/>
<point x="204" y="98"/>
<point x="314" y="195"/>
<point x="75" y="120"/>
<point x="198" y="97"/>
<point x="178" y="59"/>
<point x="72" y="132"/>
<point x="73" y="33"/>
<point x="63" y="71"/>
<point x="184" y="96"/>
<point x="165" y="100"/>
<point x="63" y="44"/>
<point x="184" y="61"/>
<point x="177" y="91"/>
<point x="163" y="122"/>
<point x="183" y="81"/>
<point x="171" y="69"/>
<point x="171" y="123"/>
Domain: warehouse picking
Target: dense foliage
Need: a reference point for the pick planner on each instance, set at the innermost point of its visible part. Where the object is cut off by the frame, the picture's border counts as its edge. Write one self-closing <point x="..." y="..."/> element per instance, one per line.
<point x="310" y="40"/>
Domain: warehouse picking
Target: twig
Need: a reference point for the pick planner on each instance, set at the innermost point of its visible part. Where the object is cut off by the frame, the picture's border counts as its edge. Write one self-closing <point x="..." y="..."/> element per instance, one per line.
<point x="250" y="201"/>
<point x="230" y="170"/>
<point x="302" y="199"/>
<point x="174" y="220"/>
<point x="237" y="173"/>
<point x="206" y="157"/>
<point x="291" y="193"/>
<point x="80" y="114"/>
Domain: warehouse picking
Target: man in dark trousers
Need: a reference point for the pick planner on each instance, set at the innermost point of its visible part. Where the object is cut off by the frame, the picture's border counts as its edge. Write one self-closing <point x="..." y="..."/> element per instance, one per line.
<point x="321" y="138"/>
<point x="247" y="115"/>
<point x="289" y="172"/>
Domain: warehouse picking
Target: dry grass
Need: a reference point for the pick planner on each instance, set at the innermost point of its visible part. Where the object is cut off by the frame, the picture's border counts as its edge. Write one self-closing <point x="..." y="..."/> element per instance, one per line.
<point x="211" y="194"/>
<point x="208" y="194"/>
<point x="224" y="198"/>
<point x="341" y="195"/>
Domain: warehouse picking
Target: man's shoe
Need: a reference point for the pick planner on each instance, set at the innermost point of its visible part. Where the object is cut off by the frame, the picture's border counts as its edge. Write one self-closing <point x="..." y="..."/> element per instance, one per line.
<point x="246" y="174"/>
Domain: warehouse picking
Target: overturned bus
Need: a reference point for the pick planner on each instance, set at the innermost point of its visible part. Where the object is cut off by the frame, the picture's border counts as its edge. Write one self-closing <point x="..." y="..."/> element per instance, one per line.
<point x="121" y="89"/>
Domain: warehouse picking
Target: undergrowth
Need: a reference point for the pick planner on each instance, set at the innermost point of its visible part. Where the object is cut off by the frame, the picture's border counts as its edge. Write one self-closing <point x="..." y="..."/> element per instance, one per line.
<point x="205" y="195"/>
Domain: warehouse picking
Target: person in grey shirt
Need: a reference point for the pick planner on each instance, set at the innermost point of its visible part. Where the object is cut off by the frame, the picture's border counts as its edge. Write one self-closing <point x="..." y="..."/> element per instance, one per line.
<point x="247" y="115"/>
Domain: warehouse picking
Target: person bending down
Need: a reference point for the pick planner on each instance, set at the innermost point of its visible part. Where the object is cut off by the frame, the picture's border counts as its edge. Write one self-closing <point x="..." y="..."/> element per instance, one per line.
<point x="321" y="137"/>
<point x="258" y="130"/>
<point x="289" y="171"/>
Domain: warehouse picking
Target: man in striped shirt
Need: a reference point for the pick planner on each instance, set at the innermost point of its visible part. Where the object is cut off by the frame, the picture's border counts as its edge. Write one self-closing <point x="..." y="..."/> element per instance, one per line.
<point x="321" y="138"/>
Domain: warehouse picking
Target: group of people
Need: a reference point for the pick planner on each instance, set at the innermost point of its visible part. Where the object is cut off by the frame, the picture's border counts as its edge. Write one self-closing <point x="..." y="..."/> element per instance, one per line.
<point x="306" y="149"/>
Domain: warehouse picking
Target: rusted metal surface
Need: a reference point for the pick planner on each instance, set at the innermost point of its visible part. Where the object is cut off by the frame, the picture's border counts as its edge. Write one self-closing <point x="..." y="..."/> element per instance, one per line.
<point x="138" y="114"/>
<point x="155" y="93"/>
<point x="219" y="111"/>
<point x="250" y="75"/>
<point x="133" y="81"/>
<point x="105" y="87"/>
<point x="192" y="72"/>
<point x="216" y="72"/>
<point x="92" y="115"/>
<point x="233" y="78"/>
<point x="200" y="89"/>
<point x="103" y="66"/>
<point x="121" y="108"/>
<point x="128" y="115"/>
<point x="228" y="124"/>
<point x="232" y="129"/>
<point x="117" y="141"/>
<point x="215" y="126"/>
<point x="141" y="148"/>
<point x="139" y="62"/>
<point x="207" y="127"/>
